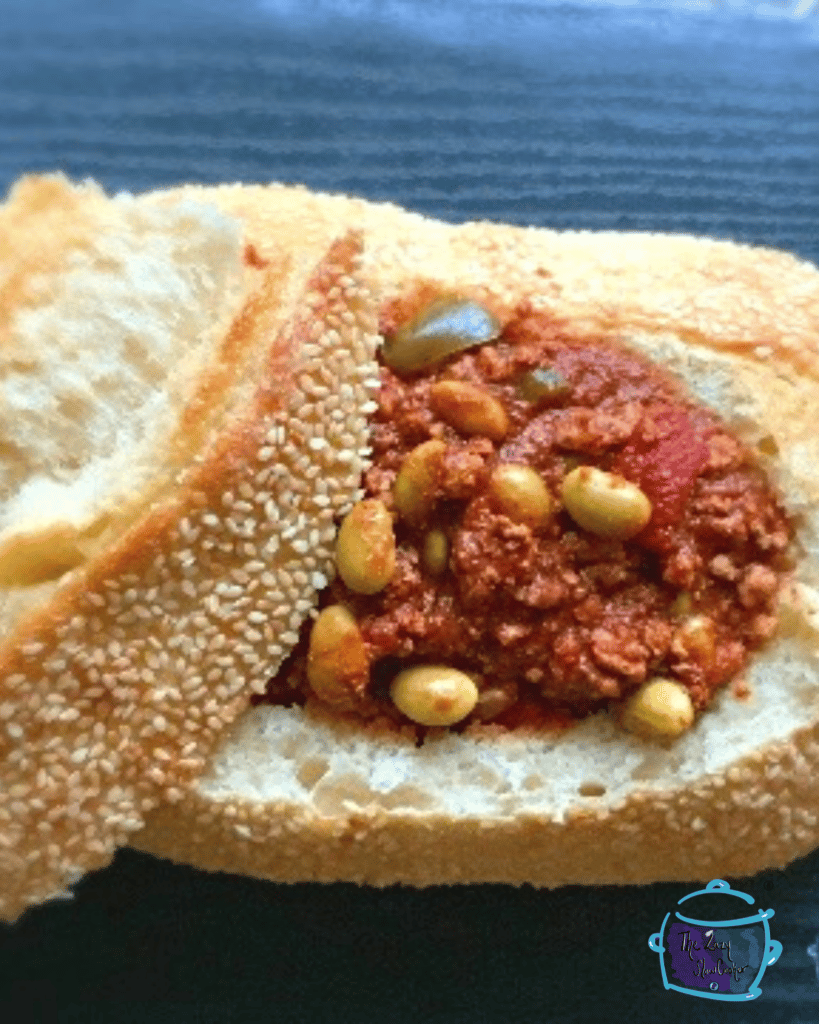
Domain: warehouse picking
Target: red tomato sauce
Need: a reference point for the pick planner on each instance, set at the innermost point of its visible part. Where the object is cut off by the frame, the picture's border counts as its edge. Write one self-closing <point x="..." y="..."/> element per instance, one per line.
<point x="553" y="622"/>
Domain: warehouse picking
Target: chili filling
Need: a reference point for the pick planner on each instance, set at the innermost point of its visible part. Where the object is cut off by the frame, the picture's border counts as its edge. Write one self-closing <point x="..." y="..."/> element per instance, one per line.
<point x="550" y="620"/>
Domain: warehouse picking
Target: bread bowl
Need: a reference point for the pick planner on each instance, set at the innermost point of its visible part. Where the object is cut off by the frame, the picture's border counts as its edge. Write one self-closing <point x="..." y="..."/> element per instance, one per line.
<point x="293" y="797"/>
<point x="296" y="795"/>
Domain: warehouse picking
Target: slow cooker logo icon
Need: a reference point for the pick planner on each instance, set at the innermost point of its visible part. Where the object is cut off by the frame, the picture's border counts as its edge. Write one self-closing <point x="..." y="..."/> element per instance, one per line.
<point x="715" y="947"/>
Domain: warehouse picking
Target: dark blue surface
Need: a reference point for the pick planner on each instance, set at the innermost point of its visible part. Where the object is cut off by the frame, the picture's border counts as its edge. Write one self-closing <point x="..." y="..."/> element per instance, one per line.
<point x="568" y="115"/>
<point x="545" y="114"/>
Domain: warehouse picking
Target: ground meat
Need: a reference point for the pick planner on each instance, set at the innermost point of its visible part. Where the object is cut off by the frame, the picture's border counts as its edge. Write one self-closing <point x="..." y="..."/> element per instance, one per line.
<point x="757" y="586"/>
<point x="593" y="431"/>
<point x="464" y="469"/>
<point x="553" y="620"/>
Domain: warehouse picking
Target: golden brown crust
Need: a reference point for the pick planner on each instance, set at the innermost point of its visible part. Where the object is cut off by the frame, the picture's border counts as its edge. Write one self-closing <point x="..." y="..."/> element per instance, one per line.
<point x="113" y="693"/>
<point x="761" y="814"/>
<point x="741" y="324"/>
<point x="737" y="298"/>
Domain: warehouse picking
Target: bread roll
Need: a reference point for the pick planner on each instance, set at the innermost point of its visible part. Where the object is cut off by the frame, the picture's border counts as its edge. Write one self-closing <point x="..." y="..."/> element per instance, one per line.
<point x="295" y="796"/>
<point x="182" y="421"/>
<point x="193" y="370"/>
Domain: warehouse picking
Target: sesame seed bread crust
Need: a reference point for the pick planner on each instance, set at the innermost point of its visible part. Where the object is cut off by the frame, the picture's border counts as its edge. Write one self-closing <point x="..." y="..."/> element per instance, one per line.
<point x="117" y="679"/>
<point x="292" y="795"/>
<point x="727" y="296"/>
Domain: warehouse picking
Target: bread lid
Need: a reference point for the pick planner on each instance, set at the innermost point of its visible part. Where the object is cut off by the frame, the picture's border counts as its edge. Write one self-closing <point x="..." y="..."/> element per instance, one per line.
<point x="119" y="671"/>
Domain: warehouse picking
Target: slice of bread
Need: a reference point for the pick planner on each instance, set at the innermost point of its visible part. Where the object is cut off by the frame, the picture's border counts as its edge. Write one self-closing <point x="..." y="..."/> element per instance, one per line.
<point x="181" y="422"/>
<point x="294" y="796"/>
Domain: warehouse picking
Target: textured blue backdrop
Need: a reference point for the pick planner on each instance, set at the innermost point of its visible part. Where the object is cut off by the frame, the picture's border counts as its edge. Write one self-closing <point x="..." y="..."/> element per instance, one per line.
<point x="561" y="114"/>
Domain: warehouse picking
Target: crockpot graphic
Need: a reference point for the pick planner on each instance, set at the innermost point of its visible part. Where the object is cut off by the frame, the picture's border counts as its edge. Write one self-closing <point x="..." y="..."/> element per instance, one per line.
<point x="715" y="946"/>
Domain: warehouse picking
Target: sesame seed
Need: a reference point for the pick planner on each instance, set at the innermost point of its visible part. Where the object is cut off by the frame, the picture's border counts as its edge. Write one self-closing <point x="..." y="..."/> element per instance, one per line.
<point x="106" y="662"/>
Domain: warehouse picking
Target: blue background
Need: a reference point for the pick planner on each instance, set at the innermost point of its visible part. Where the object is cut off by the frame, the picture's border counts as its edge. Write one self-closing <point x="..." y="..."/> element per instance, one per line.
<point x="642" y="117"/>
